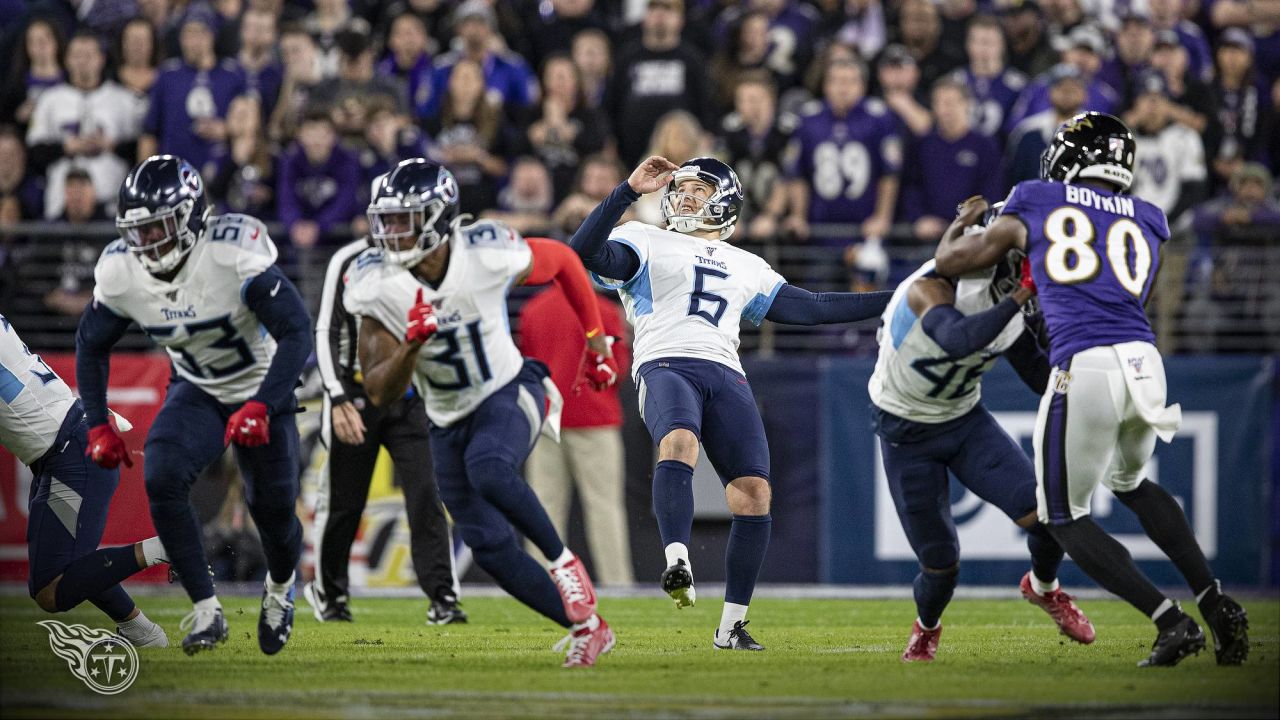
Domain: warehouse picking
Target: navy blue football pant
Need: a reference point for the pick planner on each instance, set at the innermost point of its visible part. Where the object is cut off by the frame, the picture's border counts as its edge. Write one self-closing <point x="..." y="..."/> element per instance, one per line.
<point x="185" y="438"/>
<point x="67" y="511"/>
<point x="477" y="463"/>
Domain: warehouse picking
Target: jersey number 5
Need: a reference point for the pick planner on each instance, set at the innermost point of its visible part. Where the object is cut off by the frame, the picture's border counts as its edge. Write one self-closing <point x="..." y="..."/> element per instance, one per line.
<point x="1072" y="259"/>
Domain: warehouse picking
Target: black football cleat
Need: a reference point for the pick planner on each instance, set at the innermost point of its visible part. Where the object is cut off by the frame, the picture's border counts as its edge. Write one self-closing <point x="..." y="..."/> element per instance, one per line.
<point x="445" y="610"/>
<point x="1230" y="627"/>
<point x="275" y="620"/>
<point x="206" y="629"/>
<point x="335" y="610"/>
<point x="737" y="639"/>
<point x="677" y="581"/>
<point x="1172" y="645"/>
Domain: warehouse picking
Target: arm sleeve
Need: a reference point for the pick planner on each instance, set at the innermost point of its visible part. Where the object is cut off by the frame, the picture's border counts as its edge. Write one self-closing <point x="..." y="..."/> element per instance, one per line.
<point x="959" y="334"/>
<point x="554" y="261"/>
<point x="591" y="240"/>
<point x="285" y="316"/>
<point x="1029" y="361"/>
<point x="797" y="306"/>
<point x="329" y="324"/>
<point x="100" y="329"/>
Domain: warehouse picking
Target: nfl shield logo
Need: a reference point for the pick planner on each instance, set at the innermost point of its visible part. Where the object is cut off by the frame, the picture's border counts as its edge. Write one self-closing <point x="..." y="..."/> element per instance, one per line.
<point x="1136" y="364"/>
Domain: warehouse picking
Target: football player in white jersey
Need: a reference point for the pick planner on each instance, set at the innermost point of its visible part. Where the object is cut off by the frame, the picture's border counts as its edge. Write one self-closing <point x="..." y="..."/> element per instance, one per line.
<point x="685" y="291"/>
<point x="938" y="338"/>
<point x="206" y="289"/>
<point x="42" y="424"/>
<point x="432" y="301"/>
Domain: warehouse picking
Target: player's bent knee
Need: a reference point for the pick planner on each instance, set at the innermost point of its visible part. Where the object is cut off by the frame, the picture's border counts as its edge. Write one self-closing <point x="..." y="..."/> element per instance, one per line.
<point x="940" y="558"/>
<point x="47" y="597"/>
<point x="749" y="496"/>
<point x="493" y="476"/>
<point x="1029" y="520"/>
<point x="679" y="444"/>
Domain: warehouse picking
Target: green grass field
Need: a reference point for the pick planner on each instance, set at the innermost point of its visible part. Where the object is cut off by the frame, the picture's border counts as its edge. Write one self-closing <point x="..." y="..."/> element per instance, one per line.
<point x="826" y="658"/>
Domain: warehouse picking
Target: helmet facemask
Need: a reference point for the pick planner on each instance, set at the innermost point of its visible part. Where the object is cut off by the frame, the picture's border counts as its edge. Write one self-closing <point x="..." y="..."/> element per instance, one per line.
<point x="160" y="240"/>
<point x="710" y="212"/>
<point x="406" y="230"/>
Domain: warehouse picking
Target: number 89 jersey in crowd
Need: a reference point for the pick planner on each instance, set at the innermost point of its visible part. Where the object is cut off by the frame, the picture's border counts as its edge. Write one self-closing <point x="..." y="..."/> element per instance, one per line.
<point x="472" y="355"/>
<point x="689" y="295"/>
<point x="199" y="317"/>
<point x="915" y="378"/>
<point x="1094" y="255"/>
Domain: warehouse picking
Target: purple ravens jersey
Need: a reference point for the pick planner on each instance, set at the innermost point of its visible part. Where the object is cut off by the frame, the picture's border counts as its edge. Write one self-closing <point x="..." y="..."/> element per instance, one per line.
<point x="1094" y="255"/>
<point x="993" y="98"/>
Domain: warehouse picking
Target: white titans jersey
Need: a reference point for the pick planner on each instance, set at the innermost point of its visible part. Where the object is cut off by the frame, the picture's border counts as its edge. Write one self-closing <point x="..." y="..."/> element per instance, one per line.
<point x="1164" y="161"/>
<point x="472" y="355"/>
<point x="914" y="378"/>
<point x="200" y="318"/>
<point x="33" y="399"/>
<point x="690" y="295"/>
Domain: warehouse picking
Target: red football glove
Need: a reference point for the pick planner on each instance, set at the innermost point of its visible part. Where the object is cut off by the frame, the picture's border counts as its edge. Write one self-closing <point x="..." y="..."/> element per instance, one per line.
<point x="602" y="371"/>
<point x="106" y="448"/>
<point x="248" y="426"/>
<point x="1028" y="281"/>
<point x="422" y="321"/>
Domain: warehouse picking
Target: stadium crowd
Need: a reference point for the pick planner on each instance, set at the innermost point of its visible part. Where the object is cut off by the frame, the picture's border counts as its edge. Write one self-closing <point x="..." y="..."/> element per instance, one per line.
<point x="856" y="126"/>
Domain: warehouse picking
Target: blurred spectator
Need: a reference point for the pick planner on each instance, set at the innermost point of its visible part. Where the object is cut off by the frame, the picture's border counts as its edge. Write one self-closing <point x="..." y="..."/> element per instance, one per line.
<point x="471" y="136"/>
<point x="87" y="122"/>
<point x="677" y="137"/>
<point x="36" y="66"/>
<point x="1134" y="42"/>
<point x="389" y="137"/>
<point x="1063" y="17"/>
<point x="1067" y="92"/>
<point x="1247" y="213"/>
<point x="79" y="256"/>
<point x="589" y="457"/>
<point x="995" y="85"/>
<point x="1244" y="111"/>
<point x="317" y="180"/>
<point x="21" y="192"/>
<point x="1083" y="50"/>
<point x="1170" y="170"/>
<point x="844" y="160"/>
<point x="597" y="177"/>
<point x="325" y="23"/>
<point x="659" y="74"/>
<point x="348" y="95"/>
<point x="1192" y="100"/>
<point x="408" y="60"/>
<point x="754" y="138"/>
<point x="861" y="25"/>
<point x="594" y="60"/>
<point x="745" y="50"/>
<point x="552" y="26"/>
<point x="526" y="202"/>
<point x="790" y="29"/>
<point x="302" y="77"/>
<point x="189" y="101"/>
<point x="564" y="129"/>
<point x="257" y="59"/>
<point x="955" y="16"/>
<point x="1169" y="15"/>
<point x="949" y="164"/>
<point x="922" y="35"/>
<point x="899" y="80"/>
<point x="137" y="53"/>
<point x="505" y="73"/>
<point x="246" y="181"/>
<point x="1029" y="49"/>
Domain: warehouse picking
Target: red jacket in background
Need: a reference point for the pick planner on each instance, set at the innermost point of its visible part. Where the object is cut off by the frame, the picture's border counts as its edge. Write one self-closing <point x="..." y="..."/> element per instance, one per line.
<point x="550" y="332"/>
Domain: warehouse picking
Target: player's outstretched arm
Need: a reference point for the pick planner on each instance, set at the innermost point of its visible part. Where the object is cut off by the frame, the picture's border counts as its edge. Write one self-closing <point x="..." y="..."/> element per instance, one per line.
<point x="960" y="253"/>
<point x="797" y="306"/>
<point x="386" y="363"/>
<point x="555" y="262"/>
<point x="931" y="299"/>
<point x="100" y="329"/>
<point x="614" y="260"/>
<point x="279" y="307"/>
<point x="1029" y="360"/>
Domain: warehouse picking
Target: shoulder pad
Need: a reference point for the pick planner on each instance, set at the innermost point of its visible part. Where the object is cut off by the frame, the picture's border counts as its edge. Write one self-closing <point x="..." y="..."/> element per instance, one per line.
<point x="811" y="108"/>
<point x="490" y="234"/>
<point x="240" y="242"/>
<point x="1014" y="79"/>
<point x="875" y="107"/>
<point x="364" y="278"/>
<point x="113" y="275"/>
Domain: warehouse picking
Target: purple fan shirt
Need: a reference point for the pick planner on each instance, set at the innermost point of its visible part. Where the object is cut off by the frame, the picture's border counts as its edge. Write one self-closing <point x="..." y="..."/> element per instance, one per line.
<point x="180" y="96"/>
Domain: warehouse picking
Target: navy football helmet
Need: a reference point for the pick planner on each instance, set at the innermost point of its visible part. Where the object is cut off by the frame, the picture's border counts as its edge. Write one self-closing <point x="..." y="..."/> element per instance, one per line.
<point x="1090" y="145"/>
<point x="718" y="211"/>
<point x="162" y="212"/>
<point x="412" y="210"/>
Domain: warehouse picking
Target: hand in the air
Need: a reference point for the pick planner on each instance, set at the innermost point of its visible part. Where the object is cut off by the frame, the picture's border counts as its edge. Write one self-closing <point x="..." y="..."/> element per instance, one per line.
<point x="602" y="370"/>
<point x="248" y="426"/>
<point x="422" y="321"/>
<point x="106" y="448"/>
<point x="651" y="174"/>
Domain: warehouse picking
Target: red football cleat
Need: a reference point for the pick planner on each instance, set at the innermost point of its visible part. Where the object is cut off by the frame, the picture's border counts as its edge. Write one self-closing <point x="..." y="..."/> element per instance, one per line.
<point x="923" y="645"/>
<point x="587" y="644"/>
<point x="1071" y="619"/>
<point x="576" y="591"/>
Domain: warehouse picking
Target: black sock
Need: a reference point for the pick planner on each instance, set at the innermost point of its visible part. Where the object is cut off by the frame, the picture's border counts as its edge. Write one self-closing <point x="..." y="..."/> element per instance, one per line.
<point x="1046" y="553"/>
<point x="933" y="590"/>
<point x="1104" y="559"/>
<point x="1170" y="617"/>
<point x="1165" y="523"/>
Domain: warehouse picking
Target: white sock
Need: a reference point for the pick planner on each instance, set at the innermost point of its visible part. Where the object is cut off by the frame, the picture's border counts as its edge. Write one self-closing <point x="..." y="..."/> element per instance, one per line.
<point x="209" y="603"/>
<point x="275" y="588"/>
<point x="1043" y="588"/>
<point x="732" y="613"/>
<point x="1164" y="607"/>
<point x="566" y="556"/>
<point x="592" y="623"/>
<point x="930" y="629"/>
<point x="153" y="551"/>
<point x="678" y="551"/>
<point x="138" y="621"/>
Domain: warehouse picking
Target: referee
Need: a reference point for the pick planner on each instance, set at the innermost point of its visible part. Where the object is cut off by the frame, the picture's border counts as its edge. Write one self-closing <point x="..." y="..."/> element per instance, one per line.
<point x="353" y="430"/>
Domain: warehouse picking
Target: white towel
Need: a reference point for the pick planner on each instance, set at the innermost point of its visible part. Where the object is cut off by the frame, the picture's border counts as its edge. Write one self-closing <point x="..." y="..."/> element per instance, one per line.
<point x="1144" y="375"/>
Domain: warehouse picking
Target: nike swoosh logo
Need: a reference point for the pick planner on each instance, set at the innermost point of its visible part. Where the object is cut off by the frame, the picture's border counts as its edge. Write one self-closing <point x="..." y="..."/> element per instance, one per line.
<point x="275" y="289"/>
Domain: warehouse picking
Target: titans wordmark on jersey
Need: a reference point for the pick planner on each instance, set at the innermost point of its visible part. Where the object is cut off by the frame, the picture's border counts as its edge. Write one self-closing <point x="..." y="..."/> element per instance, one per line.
<point x="200" y="317"/>
<point x="916" y="379"/>
<point x="33" y="399"/>
<point x="689" y="295"/>
<point x="472" y="355"/>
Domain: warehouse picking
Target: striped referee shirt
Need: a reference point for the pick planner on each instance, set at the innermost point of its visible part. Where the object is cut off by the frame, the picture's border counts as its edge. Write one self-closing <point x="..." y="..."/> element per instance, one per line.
<point x="337" y="330"/>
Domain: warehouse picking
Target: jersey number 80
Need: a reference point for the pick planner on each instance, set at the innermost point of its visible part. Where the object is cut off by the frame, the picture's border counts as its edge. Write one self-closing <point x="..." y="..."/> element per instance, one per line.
<point x="1072" y="259"/>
